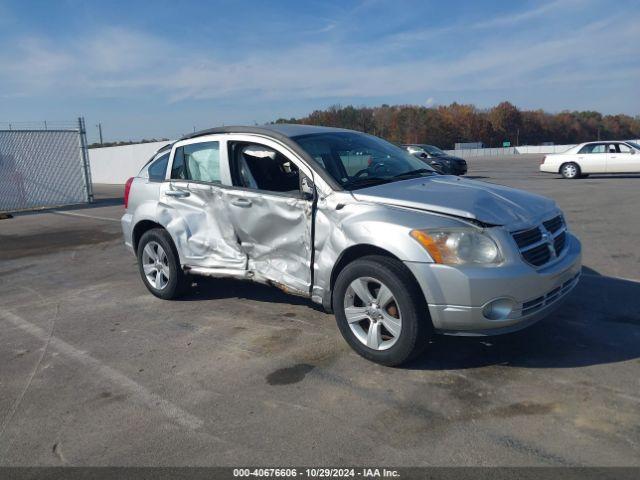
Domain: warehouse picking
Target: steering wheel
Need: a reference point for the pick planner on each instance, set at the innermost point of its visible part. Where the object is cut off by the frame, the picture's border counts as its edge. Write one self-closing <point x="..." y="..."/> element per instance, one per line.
<point x="370" y="169"/>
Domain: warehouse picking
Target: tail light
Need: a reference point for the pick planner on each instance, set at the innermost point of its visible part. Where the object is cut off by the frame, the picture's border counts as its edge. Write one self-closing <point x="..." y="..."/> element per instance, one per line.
<point x="544" y="159"/>
<point x="127" y="189"/>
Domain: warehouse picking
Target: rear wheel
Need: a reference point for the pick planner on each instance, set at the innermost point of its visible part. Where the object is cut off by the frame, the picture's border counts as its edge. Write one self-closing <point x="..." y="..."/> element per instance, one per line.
<point x="159" y="265"/>
<point x="570" y="170"/>
<point x="381" y="311"/>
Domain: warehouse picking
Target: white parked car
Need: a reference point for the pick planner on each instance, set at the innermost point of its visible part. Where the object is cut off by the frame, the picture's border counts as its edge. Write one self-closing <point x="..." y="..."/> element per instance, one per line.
<point x="594" y="157"/>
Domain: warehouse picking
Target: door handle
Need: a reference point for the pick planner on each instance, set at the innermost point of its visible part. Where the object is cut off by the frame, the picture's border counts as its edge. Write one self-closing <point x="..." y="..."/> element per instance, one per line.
<point x="177" y="193"/>
<point x="241" y="202"/>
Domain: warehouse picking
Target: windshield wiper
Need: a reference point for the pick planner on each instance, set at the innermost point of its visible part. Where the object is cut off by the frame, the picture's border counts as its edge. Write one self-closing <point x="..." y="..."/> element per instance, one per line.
<point x="370" y="181"/>
<point x="414" y="173"/>
<point x="364" y="182"/>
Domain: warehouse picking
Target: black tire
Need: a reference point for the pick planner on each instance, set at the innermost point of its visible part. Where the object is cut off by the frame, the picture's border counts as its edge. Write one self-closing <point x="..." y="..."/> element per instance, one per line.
<point x="178" y="281"/>
<point x="570" y="170"/>
<point x="416" y="329"/>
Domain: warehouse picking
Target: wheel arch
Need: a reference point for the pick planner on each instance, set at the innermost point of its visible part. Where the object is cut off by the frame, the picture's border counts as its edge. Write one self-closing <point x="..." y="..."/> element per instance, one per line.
<point x="351" y="254"/>
<point x="140" y="228"/>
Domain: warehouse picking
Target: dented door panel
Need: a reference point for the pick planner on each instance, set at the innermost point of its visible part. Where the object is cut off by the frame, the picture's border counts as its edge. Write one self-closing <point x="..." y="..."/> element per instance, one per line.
<point x="275" y="234"/>
<point x="197" y="217"/>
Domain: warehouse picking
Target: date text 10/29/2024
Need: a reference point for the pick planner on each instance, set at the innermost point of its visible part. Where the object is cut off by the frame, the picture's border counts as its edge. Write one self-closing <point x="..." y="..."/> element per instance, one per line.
<point x="316" y="473"/>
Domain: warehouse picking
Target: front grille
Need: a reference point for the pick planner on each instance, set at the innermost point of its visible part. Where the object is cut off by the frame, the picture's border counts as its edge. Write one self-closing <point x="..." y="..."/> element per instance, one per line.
<point x="559" y="242"/>
<point x="540" y="245"/>
<point x="554" y="224"/>
<point x="536" y="304"/>
<point x="527" y="237"/>
<point x="538" y="255"/>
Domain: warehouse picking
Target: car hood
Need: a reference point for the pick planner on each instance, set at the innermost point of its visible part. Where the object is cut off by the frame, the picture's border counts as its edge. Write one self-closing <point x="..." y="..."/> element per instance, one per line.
<point x="484" y="202"/>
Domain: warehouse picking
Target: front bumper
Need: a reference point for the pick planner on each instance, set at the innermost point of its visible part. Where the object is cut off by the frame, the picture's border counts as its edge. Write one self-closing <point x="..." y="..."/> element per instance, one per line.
<point x="460" y="169"/>
<point x="457" y="296"/>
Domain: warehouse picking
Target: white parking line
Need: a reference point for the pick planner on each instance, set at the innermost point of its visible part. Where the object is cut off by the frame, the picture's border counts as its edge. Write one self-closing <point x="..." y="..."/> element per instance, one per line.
<point x="138" y="393"/>
<point x="86" y="216"/>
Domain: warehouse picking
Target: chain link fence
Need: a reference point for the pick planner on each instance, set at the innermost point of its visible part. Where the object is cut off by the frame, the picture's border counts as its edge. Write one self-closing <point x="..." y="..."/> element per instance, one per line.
<point x="43" y="167"/>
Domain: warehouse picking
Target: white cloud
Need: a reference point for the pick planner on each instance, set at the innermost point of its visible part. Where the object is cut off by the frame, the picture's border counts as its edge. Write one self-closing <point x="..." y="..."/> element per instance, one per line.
<point x="125" y="63"/>
<point x="527" y="15"/>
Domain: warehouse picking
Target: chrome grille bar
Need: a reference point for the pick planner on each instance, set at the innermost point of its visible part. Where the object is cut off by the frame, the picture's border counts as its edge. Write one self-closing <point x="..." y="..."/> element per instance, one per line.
<point x="542" y="244"/>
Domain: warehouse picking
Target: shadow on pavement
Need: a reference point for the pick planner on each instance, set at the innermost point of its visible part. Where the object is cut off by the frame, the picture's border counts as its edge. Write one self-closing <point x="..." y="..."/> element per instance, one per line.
<point x="604" y="176"/>
<point x="104" y="196"/>
<point x="206" y="288"/>
<point x="599" y="323"/>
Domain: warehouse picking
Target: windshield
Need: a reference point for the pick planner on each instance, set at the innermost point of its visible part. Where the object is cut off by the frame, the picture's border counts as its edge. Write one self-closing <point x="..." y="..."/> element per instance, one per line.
<point x="435" y="151"/>
<point x="356" y="160"/>
<point x="634" y="145"/>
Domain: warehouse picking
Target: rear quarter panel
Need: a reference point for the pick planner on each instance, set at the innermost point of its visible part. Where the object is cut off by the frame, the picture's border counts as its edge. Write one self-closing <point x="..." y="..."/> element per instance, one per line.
<point x="553" y="162"/>
<point x="143" y="205"/>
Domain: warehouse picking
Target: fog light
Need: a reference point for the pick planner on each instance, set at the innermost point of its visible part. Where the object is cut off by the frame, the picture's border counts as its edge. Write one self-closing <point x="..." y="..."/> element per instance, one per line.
<point x="498" y="309"/>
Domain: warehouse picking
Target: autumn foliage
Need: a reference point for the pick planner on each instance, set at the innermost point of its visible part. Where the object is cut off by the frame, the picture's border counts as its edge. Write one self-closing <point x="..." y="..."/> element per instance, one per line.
<point x="445" y="125"/>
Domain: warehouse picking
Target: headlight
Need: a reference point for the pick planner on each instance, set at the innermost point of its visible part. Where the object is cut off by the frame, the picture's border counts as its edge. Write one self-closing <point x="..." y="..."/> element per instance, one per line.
<point x="458" y="246"/>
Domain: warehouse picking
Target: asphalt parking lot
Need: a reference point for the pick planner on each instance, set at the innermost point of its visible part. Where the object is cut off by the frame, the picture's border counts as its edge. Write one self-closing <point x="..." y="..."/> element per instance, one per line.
<point x="94" y="370"/>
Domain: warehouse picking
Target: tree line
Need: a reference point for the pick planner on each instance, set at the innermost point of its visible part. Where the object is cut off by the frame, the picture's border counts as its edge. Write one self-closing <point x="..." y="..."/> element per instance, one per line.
<point x="446" y="125"/>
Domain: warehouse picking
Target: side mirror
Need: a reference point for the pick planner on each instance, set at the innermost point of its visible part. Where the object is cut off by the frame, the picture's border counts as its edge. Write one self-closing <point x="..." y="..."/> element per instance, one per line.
<point x="306" y="187"/>
<point x="633" y="152"/>
<point x="424" y="155"/>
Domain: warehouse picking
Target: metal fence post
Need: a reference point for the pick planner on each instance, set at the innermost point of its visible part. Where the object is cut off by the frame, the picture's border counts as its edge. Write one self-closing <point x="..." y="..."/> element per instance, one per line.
<point x="84" y="154"/>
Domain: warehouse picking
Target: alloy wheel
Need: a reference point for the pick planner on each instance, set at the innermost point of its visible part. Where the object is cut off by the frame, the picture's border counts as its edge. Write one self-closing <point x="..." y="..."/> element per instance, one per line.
<point x="570" y="170"/>
<point x="372" y="313"/>
<point x="155" y="264"/>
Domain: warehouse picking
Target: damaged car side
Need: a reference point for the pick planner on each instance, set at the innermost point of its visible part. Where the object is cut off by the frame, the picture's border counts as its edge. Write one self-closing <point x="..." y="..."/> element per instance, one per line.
<point x="395" y="250"/>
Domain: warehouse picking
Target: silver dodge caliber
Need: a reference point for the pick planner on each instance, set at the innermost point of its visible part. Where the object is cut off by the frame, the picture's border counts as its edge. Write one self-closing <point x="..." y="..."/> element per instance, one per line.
<point x="395" y="250"/>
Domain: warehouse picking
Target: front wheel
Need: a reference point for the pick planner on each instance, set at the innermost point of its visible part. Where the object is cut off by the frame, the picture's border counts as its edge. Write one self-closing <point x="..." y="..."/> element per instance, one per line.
<point x="160" y="266"/>
<point x="380" y="310"/>
<point x="570" y="170"/>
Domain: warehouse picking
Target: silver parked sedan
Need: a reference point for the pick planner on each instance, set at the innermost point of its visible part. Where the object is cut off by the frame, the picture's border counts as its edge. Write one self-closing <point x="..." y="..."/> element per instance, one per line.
<point x="362" y="227"/>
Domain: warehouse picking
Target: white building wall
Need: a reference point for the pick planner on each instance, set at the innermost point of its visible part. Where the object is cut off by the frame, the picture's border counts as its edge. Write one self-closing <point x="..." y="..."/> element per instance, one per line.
<point x="476" y="152"/>
<point x="116" y="164"/>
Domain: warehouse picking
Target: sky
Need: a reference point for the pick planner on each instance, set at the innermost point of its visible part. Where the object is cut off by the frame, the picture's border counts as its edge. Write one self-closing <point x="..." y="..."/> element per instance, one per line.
<point x="162" y="68"/>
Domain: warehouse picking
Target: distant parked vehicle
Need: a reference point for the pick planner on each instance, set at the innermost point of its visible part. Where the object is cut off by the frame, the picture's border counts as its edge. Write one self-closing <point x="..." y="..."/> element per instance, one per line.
<point x="594" y="157"/>
<point x="440" y="161"/>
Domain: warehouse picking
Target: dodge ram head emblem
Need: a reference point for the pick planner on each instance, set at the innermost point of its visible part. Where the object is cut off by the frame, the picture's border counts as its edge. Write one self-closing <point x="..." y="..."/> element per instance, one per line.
<point x="548" y="239"/>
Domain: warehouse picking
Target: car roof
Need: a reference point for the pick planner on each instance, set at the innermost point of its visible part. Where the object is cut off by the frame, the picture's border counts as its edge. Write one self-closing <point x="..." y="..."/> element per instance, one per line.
<point x="602" y="141"/>
<point x="289" y="130"/>
<point x="285" y="133"/>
